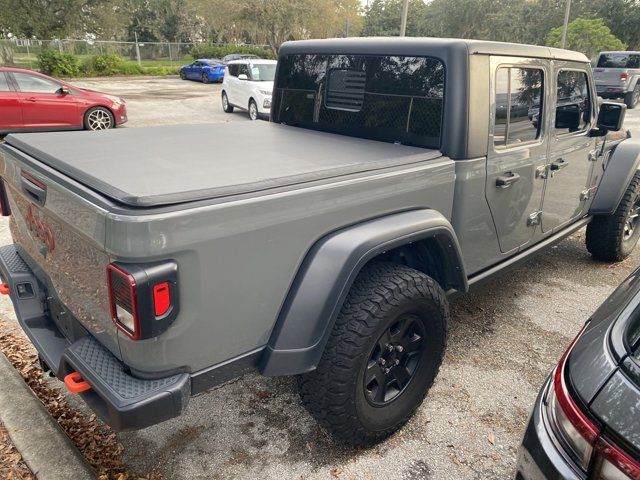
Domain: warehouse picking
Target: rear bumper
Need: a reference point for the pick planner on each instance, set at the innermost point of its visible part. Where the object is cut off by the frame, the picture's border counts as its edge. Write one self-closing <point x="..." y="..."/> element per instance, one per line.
<point x="121" y="400"/>
<point x="540" y="457"/>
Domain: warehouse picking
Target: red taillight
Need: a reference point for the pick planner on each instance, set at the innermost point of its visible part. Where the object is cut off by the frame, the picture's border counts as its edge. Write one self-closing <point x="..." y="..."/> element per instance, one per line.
<point x="123" y="301"/>
<point x="615" y="460"/>
<point x="161" y="298"/>
<point x="623" y="77"/>
<point x="579" y="420"/>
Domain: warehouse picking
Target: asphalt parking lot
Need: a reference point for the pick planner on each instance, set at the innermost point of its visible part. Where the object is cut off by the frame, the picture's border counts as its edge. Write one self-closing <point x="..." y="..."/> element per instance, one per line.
<point x="505" y="339"/>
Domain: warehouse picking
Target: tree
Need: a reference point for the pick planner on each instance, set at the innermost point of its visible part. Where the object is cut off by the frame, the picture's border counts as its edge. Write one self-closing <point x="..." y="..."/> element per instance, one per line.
<point x="45" y="19"/>
<point x="586" y="36"/>
<point x="382" y="18"/>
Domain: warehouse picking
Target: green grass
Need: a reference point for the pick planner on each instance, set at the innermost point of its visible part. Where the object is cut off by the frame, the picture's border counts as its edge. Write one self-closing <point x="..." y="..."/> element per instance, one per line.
<point x="161" y="66"/>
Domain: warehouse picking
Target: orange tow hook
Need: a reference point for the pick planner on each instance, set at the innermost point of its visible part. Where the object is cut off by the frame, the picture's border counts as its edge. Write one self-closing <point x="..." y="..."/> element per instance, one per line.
<point x="76" y="384"/>
<point x="4" y="288"/>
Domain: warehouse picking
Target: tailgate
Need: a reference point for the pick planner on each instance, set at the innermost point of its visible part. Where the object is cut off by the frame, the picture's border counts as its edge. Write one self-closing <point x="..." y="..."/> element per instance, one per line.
<point x="63" y="235"/>
<point x="608" y="76"/>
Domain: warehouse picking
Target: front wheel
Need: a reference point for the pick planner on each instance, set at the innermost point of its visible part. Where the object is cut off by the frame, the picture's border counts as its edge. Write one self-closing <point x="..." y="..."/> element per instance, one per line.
<point x="183" y="76"/>
<point x="226" y="106"/>
<point x="631" y="98"/>
<point x="383" y="354"/>
<point x="205" y="78"/>
<point x="98" y="118"/>
<point x="613" y="237"/>
<point x="253" y="110"/>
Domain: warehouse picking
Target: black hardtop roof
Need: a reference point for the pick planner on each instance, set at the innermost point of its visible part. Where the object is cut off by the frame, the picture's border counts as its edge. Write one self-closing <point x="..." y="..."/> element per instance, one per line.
<point x="426" y="46"/>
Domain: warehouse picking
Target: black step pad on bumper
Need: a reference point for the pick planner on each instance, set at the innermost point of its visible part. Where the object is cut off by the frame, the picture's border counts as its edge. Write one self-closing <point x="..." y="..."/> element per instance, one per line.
<point x="123" y="401"/>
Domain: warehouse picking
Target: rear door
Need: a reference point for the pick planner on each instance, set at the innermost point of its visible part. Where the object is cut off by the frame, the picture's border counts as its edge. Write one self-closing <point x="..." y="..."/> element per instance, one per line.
<point x="9" y="105"/>
<point x="572" y="152"/>
<point x="243" y="87"/>
<point x="517" y="148"/>
<point x="43" y="104"/>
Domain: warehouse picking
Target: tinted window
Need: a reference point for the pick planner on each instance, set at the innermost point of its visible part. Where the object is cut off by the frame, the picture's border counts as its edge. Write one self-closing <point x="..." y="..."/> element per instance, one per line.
<point x="573" y="109"/>
<point x="619" y="60"/>
<point x="388" y="98"/>
<point x="518" y="105"/>
<point x="233" y="70"/>
<point x="243" y="70"/>
<point x="4" y="83"/>
<point x="34" y="84"/>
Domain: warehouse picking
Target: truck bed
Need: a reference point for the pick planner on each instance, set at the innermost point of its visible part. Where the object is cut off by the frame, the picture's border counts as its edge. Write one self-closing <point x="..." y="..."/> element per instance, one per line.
<point x="157" y="166"/>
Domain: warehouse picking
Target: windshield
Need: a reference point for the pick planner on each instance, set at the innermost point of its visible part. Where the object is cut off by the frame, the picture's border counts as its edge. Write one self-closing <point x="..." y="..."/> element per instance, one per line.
<point x="619" y="60"/>
<point x="394" y="99"/>
<point x="263" y="72"/>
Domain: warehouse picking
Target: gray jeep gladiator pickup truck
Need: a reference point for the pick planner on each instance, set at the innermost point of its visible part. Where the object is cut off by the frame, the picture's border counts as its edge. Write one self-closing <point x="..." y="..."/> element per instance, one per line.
<point x="324" y="244"/>
<point x="616" y="75"/>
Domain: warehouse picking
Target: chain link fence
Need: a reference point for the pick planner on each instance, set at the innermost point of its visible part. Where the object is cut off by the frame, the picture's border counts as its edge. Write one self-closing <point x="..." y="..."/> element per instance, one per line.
<point x="24" y="52"/>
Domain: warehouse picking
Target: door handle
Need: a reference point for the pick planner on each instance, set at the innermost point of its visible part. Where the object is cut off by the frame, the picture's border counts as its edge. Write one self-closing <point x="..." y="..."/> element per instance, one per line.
<point x="559" y="164"/>
<point x="30" y="99"/>
<point x="506" y="180"/>
<point x="34" y="189"/>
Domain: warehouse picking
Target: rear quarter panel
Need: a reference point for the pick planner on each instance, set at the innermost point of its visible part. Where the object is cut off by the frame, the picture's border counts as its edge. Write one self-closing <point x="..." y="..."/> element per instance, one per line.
<point x="237" y="259"/>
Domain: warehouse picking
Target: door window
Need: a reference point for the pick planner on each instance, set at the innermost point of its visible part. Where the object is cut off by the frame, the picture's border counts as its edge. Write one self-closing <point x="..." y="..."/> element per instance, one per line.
<point x="518" y="105"/>
<point x="573" y="108"/>
<point x="4" y="83"/>
<point x="243" y="69"/>
<point x="233" y="70"/>
<point x="35" y="84"/>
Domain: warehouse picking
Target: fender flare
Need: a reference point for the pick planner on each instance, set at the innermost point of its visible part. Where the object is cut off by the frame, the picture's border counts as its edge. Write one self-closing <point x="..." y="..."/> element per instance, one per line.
<point x="634" y="82"/>
<point x="327" y="274"/>
<point x="621" y="166"/>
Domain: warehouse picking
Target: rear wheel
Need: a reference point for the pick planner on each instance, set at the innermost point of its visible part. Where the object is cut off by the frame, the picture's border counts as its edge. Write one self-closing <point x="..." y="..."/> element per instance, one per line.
<point x="205" y="78"/>
<point x="613" y="237"/>
<point x="98" y="118"/>
<point x="226" y="106"/>
<point x="253" y="110"/>
<point x="631" y="98"/>
<point x="383" y="354"/>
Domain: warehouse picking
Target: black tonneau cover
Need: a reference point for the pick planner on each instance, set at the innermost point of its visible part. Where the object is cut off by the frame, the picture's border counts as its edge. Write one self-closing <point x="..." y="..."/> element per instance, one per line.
<point x="165" y="165"/>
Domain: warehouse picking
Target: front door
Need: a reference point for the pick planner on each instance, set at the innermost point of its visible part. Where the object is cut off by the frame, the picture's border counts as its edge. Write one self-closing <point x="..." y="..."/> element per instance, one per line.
<point x="44" y="104"/>
<point x="517" y="148"/>
<point x="9" y="105"/>
<point x="571" y="150"/>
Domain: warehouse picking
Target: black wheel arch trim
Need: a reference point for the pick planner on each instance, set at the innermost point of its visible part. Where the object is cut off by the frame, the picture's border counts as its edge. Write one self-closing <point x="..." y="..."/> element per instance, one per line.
<point x="328" y="272"/>
<point x="621" y="166"/>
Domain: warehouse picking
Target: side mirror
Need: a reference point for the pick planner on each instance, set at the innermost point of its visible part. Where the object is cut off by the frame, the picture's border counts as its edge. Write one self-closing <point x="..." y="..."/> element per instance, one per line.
<point x="243" y="76"/>
<point x="611" y="116"/>
<point x="64" y="90"/>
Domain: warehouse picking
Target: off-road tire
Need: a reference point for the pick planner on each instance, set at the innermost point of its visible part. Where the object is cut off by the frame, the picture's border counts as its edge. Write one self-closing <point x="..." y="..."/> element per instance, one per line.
<point x="631" y="98"/>
<point x="606" y="233"/>
<point x="335" y="392"/>
<point x="226" y="106"/>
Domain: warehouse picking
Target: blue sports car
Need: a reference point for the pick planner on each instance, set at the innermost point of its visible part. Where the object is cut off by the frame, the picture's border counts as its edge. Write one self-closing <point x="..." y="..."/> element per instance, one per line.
<point x="206" y="70"/>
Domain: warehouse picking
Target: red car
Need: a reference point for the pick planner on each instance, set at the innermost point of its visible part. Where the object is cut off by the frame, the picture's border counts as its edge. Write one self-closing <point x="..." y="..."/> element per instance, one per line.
<point x="30" y="101"/>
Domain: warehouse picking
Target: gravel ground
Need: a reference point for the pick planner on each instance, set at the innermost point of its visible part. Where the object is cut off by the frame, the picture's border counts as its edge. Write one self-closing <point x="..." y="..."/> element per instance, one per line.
<point x="505" y="339"/>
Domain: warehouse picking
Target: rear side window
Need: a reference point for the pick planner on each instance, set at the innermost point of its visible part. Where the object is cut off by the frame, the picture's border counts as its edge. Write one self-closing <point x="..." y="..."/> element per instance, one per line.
<point x="518" y="110"/>
<point x="35" y="84"/>
<point x="573" y="109"/>
<point x="396" y="99"/>
<point x="4" y="83"/>
<point x="619" y="60"/>
<point x="233" y="70"/>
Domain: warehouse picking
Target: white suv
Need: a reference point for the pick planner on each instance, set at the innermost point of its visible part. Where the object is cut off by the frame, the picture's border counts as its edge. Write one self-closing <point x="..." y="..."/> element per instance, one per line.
<point x="248" y="85"/>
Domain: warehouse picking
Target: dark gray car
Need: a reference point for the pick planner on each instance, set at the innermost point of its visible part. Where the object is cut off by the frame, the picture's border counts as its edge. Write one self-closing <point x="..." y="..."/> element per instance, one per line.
<point x="586" y="421"/>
